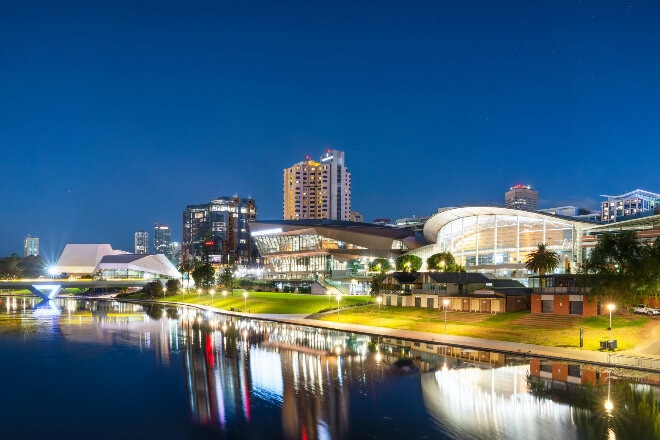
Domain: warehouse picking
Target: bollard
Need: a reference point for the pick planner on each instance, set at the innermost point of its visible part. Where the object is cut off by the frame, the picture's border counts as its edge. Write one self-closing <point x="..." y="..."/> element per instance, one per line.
<point x="581" y="337"/>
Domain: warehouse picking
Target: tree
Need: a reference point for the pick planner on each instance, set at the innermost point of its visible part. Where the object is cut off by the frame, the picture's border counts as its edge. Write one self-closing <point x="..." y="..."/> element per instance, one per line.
<point x="408" y="263"/>
<point x="32" y="266"/>
<point x="616" y="254"/>
<point x="227" y="278"/>
<point x="376" y="284"/>
<point x="380" y="265"/>
<point x="10" y="268"/>
<point x="443" y="261"/>
<point x="624" y="267"/>
<point x="204" y="276"/>
<point x="153" y="289"/>
<point x="542" y="260"/>
<point x="172" y="287"/>
<point x="187" y="266"/>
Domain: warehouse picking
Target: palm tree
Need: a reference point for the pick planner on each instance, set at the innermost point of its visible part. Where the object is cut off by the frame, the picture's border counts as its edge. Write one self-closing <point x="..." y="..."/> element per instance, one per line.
<point x="542" y="260"/>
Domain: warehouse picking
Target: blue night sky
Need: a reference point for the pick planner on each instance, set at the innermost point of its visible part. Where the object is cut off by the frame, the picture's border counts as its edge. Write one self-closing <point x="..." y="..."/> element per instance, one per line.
<point x="117" y="114"/>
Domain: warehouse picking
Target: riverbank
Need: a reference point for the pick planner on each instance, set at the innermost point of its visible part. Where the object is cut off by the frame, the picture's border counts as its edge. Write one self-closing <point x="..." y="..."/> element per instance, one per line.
<point x="624" y="359"/>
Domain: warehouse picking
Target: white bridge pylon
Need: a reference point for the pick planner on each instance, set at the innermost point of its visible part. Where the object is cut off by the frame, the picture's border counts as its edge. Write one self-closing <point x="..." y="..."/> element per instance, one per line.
<point x="46" y="291"/>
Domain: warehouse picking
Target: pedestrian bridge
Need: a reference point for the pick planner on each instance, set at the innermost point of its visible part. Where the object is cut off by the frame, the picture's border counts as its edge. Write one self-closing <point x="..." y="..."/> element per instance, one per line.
<point x="49" y="289"/>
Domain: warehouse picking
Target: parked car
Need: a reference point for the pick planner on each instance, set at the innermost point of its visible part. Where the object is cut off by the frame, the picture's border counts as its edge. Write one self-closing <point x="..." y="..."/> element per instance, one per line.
<point x="645" y="310"/>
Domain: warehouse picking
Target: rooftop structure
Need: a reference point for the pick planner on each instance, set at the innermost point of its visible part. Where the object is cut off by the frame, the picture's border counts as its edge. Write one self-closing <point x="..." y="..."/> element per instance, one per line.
<point x="629" y="205"/>
<point x="521" y="197"/>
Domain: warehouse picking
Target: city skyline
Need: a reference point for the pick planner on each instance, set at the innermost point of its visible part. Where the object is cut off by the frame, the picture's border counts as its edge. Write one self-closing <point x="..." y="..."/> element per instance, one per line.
<point x="117" y="115"/>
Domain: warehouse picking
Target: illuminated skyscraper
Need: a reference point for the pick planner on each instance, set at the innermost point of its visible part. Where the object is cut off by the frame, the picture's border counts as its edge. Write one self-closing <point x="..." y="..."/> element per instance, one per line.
<point x="162" y="237"/>
<point x="141" y="242"/>
<point x="318" y="190"/>
<point x="522" y="197"/>
<point x="31" y="246"/>
<point x="219" y="231"/>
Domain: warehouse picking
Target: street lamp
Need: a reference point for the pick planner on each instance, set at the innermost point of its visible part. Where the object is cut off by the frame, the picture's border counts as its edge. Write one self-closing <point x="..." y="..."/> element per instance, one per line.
<point x="379" y="300"/>
<point x="338" y="298"/>
<point x="610" y="307"/>
<point x="445" y="302"/>
<point x="245" y="298"/>
<point x="212" y="292"/>
<point x="199" y="292"/>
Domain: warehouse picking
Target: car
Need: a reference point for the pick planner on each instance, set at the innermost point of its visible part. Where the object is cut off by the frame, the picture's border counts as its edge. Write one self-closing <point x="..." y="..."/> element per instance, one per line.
<point x="645" y="310"/>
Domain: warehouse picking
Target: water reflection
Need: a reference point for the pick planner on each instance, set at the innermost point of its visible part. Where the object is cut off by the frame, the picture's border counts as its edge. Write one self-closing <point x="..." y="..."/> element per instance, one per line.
<point x="251" y="378"/>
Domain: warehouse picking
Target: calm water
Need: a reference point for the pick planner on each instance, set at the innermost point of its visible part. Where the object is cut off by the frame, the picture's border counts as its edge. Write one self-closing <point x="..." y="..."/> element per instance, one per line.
<point x="107" y="370"/>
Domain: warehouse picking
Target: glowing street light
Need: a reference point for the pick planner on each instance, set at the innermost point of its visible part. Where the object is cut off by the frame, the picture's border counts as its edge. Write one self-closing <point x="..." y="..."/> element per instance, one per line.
<point x="212" y="292"/>
<point x="245" y="298"/>
<point x="199" y="292"/>
<point x="445" y="302"/>
<point x="611" y="307"/>
<point x="609" y="406"/>
<point x="224" y="293"/>
<point x="379" y="300"/>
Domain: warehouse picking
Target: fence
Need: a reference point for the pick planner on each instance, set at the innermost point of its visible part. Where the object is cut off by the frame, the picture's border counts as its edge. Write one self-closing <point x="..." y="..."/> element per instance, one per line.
<point x="634" y="361"/>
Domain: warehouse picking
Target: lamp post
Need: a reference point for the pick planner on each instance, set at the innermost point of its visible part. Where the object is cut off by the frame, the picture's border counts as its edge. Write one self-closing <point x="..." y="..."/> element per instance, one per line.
<point x="445" y="302"/>
<point x="379" y="300"/>
<point x="610" y="307"/>
<point x="245" y="299"/>
<point x="338" y="298"/>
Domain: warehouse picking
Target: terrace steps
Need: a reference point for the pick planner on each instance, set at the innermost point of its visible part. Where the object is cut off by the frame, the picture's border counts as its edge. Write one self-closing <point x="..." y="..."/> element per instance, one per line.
<point x="542" y="320"/>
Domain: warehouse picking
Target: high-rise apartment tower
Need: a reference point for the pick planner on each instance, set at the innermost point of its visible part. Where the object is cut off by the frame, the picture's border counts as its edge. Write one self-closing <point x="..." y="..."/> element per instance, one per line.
<point x="318" y="190"/>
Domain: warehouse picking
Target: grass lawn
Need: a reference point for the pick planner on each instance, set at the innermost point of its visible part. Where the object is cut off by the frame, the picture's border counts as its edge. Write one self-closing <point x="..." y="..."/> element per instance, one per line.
<point x="272" y="302"/>
<point x="628" y="330"/>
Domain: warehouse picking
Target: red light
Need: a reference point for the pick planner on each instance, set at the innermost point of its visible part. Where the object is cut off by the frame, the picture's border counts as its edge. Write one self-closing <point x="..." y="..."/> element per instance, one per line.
<point x="209" y="243"/>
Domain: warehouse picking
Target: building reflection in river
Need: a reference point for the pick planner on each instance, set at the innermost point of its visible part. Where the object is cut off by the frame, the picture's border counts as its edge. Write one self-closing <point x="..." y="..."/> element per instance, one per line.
<point x="233" y="362"/>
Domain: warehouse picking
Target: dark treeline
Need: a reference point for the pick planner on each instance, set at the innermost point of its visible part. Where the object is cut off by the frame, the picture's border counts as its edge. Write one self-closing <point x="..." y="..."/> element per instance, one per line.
<point x="13" y="267"/>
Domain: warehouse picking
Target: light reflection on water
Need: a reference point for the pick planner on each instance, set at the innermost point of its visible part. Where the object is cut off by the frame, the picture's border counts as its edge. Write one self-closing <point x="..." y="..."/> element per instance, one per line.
<point x="243" y="378"/>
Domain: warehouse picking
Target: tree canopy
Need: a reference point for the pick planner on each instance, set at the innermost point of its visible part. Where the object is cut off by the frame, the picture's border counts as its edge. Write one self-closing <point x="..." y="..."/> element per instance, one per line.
<point x="443" y="261"/>
<point x="624" y="268"/>
<point x="380" y="265"/>
<point x="204" y="276"/>
<point x="408" y="263"/>
<point x="542" y="260"/>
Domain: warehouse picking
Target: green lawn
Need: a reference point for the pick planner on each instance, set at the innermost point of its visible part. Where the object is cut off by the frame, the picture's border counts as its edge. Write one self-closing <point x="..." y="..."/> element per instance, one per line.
<point x="627" y="330"/>
<point x="272" y="302"/>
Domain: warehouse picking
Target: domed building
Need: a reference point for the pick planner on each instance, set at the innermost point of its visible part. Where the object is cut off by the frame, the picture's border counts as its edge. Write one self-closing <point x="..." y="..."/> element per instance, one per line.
<point x="498" y="240"/>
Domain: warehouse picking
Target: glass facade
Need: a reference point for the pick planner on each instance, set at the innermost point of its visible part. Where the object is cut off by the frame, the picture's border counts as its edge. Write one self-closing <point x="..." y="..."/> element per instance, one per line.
<point x="312" y="253"/>
<point x="491" y="240"/>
